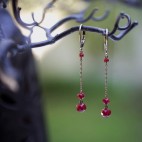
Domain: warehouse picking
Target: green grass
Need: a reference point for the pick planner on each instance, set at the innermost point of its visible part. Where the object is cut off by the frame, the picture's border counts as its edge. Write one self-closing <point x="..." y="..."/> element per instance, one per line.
<point x="67" y="125"/>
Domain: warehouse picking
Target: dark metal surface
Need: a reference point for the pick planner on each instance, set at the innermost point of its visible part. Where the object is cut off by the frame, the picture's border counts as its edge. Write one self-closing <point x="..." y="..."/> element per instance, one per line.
<point x="21" y="118"/>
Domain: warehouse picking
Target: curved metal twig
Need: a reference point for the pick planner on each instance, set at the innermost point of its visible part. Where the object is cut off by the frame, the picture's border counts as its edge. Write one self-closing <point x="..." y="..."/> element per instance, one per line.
<point x="116" y="25"/>
<point x="16" y="12"/>
<point x="79" y="17"/>
<point x="123" y="30"/>
<point x="101" y="17"/>
<point x="48" y="6"/>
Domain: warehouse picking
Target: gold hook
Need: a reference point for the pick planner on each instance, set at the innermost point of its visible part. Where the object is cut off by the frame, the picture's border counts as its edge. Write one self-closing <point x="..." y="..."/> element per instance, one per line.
<point x="106" y="37"/>
<point x="106" y="42"/>
<point x="81" y="36"/>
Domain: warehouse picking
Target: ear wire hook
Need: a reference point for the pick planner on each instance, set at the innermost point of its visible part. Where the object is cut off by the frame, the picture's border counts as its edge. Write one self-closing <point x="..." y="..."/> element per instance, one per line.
<point x="81" y="36"/>
<point x="106" y="41"/>
<point x="106" y="37"/>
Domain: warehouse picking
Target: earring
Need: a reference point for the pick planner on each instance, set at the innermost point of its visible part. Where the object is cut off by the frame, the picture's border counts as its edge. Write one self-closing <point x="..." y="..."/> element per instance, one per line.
<point x="106" y="112"/>
<point x="81" y="107"/>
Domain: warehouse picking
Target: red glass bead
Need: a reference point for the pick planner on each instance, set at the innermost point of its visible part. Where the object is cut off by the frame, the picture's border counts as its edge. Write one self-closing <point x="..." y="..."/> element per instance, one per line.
<point x="106" y="59"/>
<point x="81" y="54"/>
<point x="106" y="112"/>
<point x="106" y="101"/>
<point x="81" y="107"/>
<point x="81" y="95"/>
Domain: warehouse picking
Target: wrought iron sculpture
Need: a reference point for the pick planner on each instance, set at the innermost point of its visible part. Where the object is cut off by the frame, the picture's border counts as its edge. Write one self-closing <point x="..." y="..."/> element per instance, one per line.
<point x="21" y="117"/>
<point x="79" y="17"/>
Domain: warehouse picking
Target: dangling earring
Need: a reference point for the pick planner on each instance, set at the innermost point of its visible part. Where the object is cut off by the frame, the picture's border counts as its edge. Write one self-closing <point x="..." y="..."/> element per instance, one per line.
<point x="106" y="112"/>
<point x="81" y="107"/>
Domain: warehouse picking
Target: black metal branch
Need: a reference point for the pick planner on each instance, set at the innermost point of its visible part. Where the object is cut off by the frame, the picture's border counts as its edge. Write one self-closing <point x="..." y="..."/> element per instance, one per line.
<point x="101" y="17"/>
<point x="61" y="35"/>
<point x="48" y="6"/>
<point x="122" y="31"/>
<point x="116" y="25"/>
<point x="78" y="17"/>
<point x="16" y="12"/>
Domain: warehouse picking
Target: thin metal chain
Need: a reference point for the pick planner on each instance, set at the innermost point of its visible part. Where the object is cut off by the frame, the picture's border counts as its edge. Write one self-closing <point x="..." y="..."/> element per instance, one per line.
<point x="106" y="82"/>
<point x="82" y="41"/>
<point x="106" y="64"/>
<point x="81" y="71"/>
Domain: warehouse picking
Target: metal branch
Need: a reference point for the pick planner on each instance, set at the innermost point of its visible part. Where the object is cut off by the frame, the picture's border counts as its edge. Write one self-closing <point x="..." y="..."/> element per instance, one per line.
<point x="78" y="17"/>
<point x="48" y="6"/>
<point x="16" y="12"/>
<point x="62" y="35"/>
<point x="101" y="17"/>
<point x="122" y="31"/>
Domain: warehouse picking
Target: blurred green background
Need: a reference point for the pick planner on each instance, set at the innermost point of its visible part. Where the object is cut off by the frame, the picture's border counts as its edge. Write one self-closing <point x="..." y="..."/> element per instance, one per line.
<point x="58" y="67"/>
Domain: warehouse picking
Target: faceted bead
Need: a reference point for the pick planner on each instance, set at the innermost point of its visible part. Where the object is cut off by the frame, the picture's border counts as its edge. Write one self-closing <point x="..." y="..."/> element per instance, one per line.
<point x="81" y="95"/>
<point x="81" y="107"/>
<point x="81" y="54"/>
<point x="106" y="59"/>
<point x="106" y="112"/>
<point x="106" y="101"/>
